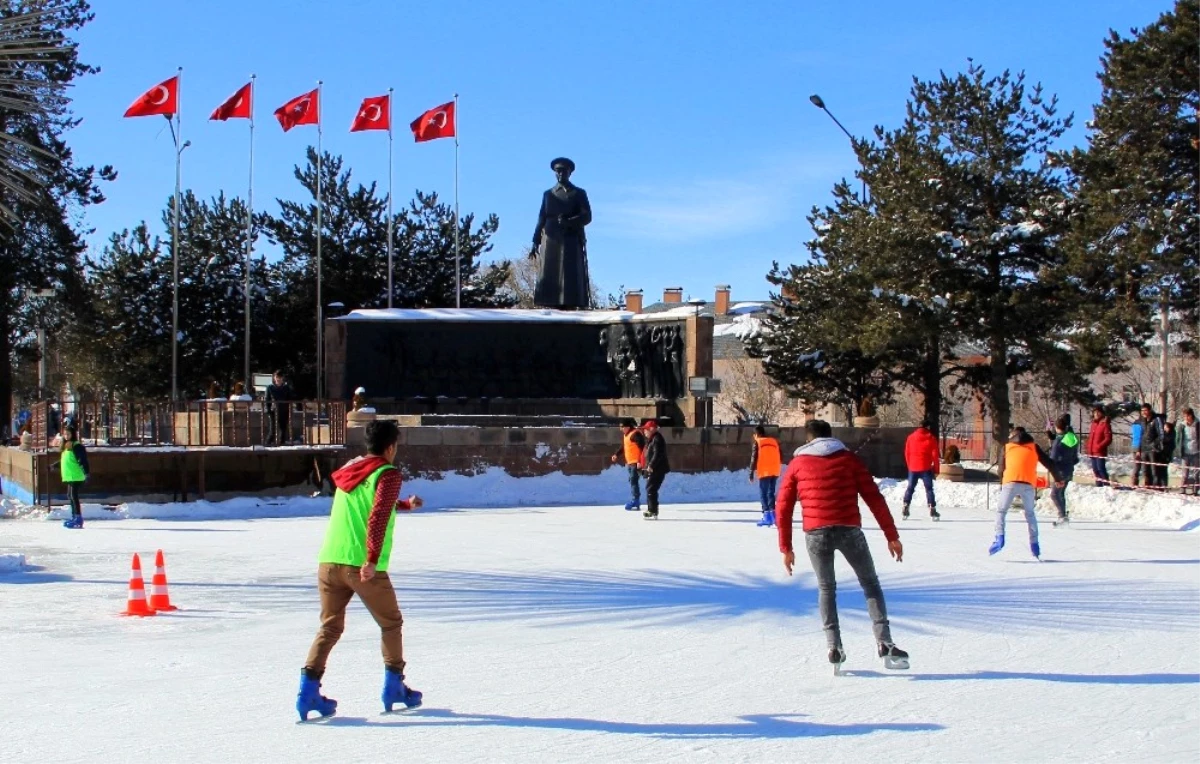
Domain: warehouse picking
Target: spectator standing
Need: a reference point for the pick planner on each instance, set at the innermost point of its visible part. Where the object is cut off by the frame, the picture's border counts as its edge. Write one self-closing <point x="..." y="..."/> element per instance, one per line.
<point x="1099" y="440"/>
<point x="1149" y="445"/>
<point x="279" y="395"/>
<point x="1188" y="440"/>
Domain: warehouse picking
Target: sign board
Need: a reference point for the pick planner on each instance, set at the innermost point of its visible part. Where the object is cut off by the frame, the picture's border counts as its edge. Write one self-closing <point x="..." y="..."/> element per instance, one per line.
<point x="260" y="383"/>
<point x="704" y="387"/>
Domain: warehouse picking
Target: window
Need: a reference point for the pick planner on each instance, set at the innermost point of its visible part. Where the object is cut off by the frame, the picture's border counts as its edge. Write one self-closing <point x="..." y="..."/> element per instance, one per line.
<point x="1021" y="396"/>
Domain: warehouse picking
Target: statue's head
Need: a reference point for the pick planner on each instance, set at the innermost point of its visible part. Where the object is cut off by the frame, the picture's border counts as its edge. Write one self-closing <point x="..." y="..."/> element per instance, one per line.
<point x="563" y="168"/>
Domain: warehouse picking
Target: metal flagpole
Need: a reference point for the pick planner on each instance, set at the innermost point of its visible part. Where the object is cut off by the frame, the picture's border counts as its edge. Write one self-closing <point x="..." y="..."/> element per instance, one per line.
<point x="457" y="255"/>
<point x="249" y="241"/>
<point x="175" y="241"/>
<point x="389" y="204"/>
<point x="320" y="311"/>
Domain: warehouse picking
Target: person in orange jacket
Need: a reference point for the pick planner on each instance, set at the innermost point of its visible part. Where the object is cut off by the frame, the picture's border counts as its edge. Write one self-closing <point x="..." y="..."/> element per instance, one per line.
<point x="921" y="457"/>
<point x="633" y="442"/>
<point x="765" y="465"/>
<point x="1019" y="479"/>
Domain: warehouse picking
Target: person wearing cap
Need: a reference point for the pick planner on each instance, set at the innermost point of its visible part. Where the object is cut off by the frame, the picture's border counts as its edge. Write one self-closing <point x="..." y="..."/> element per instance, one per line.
<point x="654" y="466"/>
<point x="633" y="442"/>
<point x="560" y="244"/>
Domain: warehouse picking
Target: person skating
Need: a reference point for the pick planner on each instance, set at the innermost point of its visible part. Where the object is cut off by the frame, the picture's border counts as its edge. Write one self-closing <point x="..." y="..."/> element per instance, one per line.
<point x="1065" y="454"/>
<point x="354" y="560"/>
<point x="1021" y="458"/>
<point x="633" y="442"/>
<point x="921" y="458"/>
<point x="654" y="466"/>
<point x="74" y="470"/>
<point x="765" y="466"/>
<point x="1188" y="440"/>
<point x="828" y="480"/>
<point x="1099" y="440"/>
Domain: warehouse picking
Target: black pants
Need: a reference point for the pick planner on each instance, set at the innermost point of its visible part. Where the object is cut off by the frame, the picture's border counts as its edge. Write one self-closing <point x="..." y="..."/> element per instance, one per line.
<point x="73" y="499"/>
<point x="653" y="483"/>
<point x="1142" y="468"/>
<point x="278" y="421"/>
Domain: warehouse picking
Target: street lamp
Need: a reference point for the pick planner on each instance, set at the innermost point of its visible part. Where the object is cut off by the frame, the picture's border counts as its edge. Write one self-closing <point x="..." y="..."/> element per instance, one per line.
<point x="820" y="104"/>
<point x="175" y="279"/>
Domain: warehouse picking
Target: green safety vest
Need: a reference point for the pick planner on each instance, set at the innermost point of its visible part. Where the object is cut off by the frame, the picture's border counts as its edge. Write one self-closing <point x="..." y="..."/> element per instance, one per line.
<point x="72" y="470"/>
<point x="346" y="535"/>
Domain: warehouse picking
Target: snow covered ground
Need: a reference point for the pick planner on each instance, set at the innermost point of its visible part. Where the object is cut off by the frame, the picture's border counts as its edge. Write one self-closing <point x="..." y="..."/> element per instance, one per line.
<point x="585" y="634"/>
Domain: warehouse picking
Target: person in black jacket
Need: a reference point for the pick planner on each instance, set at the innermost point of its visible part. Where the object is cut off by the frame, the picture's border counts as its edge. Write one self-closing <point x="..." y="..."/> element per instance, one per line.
<point x="654" y="466"/>
<point x="278" y="410"/>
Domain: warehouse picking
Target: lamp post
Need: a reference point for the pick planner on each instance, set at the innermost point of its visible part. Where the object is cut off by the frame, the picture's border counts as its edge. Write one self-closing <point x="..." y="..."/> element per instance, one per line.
<point x="820" y="104"/>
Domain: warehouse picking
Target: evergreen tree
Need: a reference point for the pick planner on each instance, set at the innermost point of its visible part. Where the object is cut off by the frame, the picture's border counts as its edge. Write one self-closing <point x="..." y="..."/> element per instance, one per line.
<point x="40" y="243"/>
<point x="1136" y="232"/>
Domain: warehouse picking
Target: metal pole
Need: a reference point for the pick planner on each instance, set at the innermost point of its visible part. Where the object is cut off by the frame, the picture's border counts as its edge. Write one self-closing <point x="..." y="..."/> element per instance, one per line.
<point x="175" y="241"/>
<point x="389" y="204"/>
<point x="457" y="254"/>
<point x="1164" y="328"/>
<point x="249" y="241"/>
<point x="320" y="309"/>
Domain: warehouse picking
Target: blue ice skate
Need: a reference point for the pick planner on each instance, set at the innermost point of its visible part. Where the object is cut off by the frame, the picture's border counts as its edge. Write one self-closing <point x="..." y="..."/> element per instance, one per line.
<point x="632" y="506"/>
<point x="768" y="519"/>
<point x="310" y="699"/>
<point x="395" y="691"/>
<point x="1036" y="549"/>
<point x="74" y="522"/>
<point x="997" y="545"/>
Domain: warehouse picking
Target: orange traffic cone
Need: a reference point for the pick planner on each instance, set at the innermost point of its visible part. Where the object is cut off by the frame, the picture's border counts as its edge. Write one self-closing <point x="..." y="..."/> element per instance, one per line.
<point x="137" y="592"/>
<point x="159" y="600"/>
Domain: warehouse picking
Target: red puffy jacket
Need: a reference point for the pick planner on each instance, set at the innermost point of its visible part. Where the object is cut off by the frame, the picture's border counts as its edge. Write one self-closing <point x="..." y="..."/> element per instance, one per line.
<point x="1100" y="438"/>
<point x="921" y="451"/>
<point x="828" y="480"/>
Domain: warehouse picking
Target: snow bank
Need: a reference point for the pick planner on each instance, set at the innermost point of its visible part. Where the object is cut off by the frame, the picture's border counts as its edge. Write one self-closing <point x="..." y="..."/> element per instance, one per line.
<point x="11" y="563"/>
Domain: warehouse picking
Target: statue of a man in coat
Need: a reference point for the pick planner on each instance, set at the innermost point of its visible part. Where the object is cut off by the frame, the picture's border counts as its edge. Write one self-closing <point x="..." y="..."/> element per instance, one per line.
<point x="560" y="244"/>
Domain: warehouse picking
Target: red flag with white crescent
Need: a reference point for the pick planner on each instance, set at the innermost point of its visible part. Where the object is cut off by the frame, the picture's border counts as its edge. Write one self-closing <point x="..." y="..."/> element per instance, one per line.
<point x="162" y="99"/>
<point x="301" y="110"/>
<point x="237" y="107"/>
<point x="374" y="114"/>
<point x="438" y="122"/>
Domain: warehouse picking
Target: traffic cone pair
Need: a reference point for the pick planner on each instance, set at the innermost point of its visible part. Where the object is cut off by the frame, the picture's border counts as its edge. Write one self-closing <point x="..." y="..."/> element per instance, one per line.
<point x="159" y="600"/>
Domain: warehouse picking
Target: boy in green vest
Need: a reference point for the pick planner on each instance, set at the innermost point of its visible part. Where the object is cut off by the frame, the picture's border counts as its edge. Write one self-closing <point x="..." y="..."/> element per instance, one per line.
<point x="73" y="468"/>
<point x="354" y="560"/>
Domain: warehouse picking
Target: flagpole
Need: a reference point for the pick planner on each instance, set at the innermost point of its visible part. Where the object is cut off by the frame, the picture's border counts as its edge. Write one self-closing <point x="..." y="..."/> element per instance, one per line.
<point x="175" y="240"/>
<point x="389" y="204"/>
<point x="249" y="240"/>
<point x="320" y="310"/>
<point x="457" y="254"/>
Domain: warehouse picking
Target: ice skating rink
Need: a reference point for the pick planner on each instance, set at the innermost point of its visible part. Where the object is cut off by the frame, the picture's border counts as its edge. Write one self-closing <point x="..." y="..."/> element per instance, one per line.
<point x="586" y="634"/>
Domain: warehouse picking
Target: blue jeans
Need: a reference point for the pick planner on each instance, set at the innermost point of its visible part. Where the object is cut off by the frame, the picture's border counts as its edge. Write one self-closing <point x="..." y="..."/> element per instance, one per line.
<point x="925" y="477"/>
<point x="634" y="488"/>
<point x="766" y="492"/>
<point x="1100" y="470"/>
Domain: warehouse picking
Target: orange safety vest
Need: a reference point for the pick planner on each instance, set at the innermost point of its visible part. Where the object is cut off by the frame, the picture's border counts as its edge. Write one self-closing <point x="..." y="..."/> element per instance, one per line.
<point x="1020" y="463"/>
<point x="633" y="453"/>
<point x="769" y="462"/>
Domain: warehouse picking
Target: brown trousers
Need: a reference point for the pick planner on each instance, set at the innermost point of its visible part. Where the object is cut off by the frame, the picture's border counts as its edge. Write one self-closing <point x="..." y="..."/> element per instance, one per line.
<point x="338" y="584"/>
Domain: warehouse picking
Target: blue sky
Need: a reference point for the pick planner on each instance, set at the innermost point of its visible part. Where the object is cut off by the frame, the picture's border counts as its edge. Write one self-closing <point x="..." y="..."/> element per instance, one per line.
<point x="689" y="121"/>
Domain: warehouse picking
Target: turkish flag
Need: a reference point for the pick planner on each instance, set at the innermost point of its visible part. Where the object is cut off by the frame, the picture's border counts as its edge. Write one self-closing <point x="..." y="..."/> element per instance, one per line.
<point x="162" y="99"/>
<point x="301" y="110"/>
<point x="438" y="122"/>
<point x="374" y="114"/>
<point x="237" y="107"/>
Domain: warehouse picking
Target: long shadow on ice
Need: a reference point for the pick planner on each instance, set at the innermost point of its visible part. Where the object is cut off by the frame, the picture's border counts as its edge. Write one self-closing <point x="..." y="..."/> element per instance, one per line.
<point x="1040" y="677"/>
<point x="749" y="726"/>
<point x="921" y="604"/>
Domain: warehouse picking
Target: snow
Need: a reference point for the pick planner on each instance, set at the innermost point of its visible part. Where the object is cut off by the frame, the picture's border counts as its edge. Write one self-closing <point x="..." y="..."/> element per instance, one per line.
<point x="743" y="327"/>
<point x="581" y="633"/>
<point x="748" y="307"/>
<point x="12" y="563"/>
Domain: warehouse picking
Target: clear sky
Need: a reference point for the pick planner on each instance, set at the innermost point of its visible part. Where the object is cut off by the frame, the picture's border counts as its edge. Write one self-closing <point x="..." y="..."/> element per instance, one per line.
<point x="689" y="121"/>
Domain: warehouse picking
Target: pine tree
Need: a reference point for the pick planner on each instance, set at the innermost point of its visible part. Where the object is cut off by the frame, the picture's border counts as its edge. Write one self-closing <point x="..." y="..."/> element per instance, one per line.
<point x="1136" y="232"/>
<point x="40" y="244"/>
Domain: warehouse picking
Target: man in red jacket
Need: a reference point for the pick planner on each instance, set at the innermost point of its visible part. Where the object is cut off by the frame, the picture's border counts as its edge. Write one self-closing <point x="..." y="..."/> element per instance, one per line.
<point x="921" y="456"/>
<point x="1099" y="439"/>
<point x="828" y="480"/>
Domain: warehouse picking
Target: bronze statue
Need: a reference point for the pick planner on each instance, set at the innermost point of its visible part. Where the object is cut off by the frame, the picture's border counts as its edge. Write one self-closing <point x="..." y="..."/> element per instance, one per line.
<point x="560" y="244"/>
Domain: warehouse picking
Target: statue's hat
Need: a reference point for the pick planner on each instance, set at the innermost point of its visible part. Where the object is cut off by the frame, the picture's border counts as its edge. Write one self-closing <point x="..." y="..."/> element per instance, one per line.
<point x="562" y="161"/>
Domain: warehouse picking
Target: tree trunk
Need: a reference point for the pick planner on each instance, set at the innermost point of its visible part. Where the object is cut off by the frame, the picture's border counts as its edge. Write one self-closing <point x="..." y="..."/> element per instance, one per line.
<point x="998" y="398"/>
<point x="1164" y="328"/>
<point x="5" y="376"/>
<point x="931" y="375"/>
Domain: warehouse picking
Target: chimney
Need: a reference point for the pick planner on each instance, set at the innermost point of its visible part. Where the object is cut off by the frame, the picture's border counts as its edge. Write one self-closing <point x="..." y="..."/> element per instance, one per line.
<point x="633" y="301"/>
<point x="673" y="295"/>
<point x="722" y="303"/>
